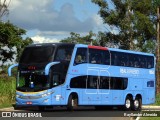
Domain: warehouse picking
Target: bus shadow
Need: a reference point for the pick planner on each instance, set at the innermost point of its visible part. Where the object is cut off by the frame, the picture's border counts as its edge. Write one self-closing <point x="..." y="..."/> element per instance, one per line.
<point x="64" y="109"/>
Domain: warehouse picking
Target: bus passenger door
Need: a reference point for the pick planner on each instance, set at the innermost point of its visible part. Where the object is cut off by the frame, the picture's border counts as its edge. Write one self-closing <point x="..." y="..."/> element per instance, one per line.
<point x="57" y="95"/>
<point x="90" y="94"/>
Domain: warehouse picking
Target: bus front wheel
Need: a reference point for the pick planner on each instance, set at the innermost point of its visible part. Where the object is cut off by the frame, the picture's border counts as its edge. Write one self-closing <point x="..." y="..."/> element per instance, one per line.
<point x="137" y="105"/>
<point x="72" y="102"/>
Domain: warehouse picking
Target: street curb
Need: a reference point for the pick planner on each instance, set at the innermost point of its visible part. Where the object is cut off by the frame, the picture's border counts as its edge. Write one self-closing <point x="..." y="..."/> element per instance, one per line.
<point x="151" y="107"/>
<point x="6" y="109"/>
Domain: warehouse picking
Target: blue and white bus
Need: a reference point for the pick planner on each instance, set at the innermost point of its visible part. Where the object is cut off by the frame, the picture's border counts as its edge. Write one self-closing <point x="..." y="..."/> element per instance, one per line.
<point x="61" y="74"/>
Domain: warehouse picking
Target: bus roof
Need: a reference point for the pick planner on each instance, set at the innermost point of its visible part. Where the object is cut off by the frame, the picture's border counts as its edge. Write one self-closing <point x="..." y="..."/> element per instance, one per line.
<point x="89" y="46"/>
<point x="50" y="44"/>
<point x="114" y="49"/>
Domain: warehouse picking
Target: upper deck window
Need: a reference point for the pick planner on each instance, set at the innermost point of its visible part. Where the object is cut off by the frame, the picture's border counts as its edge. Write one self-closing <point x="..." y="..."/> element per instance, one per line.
<point x="92" y="55"/>
<point x="40" y="54"/>
<point x="64" y="53"/>
<point x="81" y="56"/>
<point x="131" y="60"/>
<point x="98" y="56"/>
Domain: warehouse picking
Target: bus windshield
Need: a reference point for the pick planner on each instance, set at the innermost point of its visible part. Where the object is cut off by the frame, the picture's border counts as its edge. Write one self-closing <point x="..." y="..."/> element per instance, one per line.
<point x="40" y="54"/>
<point x="32" y="81"/>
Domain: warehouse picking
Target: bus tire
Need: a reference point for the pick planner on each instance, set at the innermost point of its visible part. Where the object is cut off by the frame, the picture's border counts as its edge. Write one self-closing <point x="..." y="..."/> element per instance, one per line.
<point x="72" y="102"/>
<point x="128" y="103"/>
<point x="137" y="104"/>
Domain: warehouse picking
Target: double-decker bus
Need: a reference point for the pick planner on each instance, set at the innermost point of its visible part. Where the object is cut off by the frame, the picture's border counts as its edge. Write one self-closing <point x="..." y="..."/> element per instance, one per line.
<point x="61" y="74"/>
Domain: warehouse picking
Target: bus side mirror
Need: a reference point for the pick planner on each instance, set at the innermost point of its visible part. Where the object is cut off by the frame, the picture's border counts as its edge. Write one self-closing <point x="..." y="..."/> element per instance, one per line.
<point x="10" y="69"/>
<point x="48" y="67"/>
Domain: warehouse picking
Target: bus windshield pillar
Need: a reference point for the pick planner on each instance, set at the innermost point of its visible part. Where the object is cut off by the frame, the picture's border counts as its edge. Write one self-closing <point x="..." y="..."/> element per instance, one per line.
<point x="48" y="67"/>
<point x="10" y="69"/>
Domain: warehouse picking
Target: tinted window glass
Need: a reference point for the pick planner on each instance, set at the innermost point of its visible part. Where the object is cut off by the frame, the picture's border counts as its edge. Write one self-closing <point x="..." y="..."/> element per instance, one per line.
<point x="131" y="60"/>
<point x="81" y="56"/>
<point x="104" y="82"/>
<point x="93" y="82"/>
<point x="37" y="55"/>
<point x="78" y="82"/>
<point x="99" y="56"/>
<point x="64" y="53"/>
<point x="118" y="83"/>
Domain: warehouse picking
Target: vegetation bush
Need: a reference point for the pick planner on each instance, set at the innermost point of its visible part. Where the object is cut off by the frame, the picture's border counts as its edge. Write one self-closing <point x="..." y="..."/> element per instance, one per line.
<point x="7" y="88"/>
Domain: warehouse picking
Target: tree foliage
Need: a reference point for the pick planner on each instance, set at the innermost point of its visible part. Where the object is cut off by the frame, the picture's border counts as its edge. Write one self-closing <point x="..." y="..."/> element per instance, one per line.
<point x="10" y="37"/>
<point x="11" y="41"/>
<point x="4" y="7"/>
<point x="134" y="22"/>
<point x="77" y="38"/>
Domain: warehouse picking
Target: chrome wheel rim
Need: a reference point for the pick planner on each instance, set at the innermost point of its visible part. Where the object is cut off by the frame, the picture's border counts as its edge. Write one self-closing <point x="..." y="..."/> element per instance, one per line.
<point x="128" y="103"/>
<point x="136" y="103"/>
<point x="72" y="102"/>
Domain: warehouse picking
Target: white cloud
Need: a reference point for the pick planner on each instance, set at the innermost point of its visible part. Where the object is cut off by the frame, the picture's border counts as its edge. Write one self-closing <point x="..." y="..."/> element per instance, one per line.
<point x="41" y="15"/>
<point x="42" y="39"/>
<point x="52" y="33"/>
<point x="98" y="20"/>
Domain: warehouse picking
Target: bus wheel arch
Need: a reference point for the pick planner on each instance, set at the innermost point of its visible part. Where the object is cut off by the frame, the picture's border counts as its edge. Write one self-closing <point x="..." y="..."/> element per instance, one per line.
<point x="128" y="102"/>
<point x="137" y="103"/>
<point x="72" y="101"/>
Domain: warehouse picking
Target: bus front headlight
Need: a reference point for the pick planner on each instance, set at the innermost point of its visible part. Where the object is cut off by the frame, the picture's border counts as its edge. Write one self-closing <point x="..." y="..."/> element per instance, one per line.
<point x="46" y="94"/>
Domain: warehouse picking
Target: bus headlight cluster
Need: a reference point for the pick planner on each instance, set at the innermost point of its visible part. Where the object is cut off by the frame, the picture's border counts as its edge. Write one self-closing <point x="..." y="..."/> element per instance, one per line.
<point x="46" y="94"/>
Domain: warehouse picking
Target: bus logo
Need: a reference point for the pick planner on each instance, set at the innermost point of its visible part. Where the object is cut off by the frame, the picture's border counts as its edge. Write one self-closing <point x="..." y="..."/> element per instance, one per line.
<point x="129" y="71"/>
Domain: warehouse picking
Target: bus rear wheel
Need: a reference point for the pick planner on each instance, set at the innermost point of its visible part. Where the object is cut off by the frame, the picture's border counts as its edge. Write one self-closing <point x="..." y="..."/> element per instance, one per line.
<point x="137" y="105"/>
<point x="128" y="103"/>
<point x="72" y="102"/>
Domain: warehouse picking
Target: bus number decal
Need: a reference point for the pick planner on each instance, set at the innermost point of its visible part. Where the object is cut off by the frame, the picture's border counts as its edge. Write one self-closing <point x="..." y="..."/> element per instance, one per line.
<point x="129" y="71"/>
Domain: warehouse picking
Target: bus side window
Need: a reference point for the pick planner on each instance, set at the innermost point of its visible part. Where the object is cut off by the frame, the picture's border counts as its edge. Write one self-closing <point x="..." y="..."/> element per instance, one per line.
<point x="78" y="82"/>
<point x="80" y="56"/>
<point x="114" y="58"/>
<point x="118" y="83"/>
<point x="149" y="64"/>
<point x="92" y="82"/>
<point x="104" y="82"/>
<point x="143" y="62"/>
<point x="107" y="57"/>
<point x="56" y="80"/>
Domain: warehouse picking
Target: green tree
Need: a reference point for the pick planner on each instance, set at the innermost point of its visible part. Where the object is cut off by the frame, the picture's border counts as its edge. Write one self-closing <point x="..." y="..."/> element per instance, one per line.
<point x="133" y="20"/>
<point x="77" y="38"/>
<point x="4" y="7"/>
<point x="10" y="37"/>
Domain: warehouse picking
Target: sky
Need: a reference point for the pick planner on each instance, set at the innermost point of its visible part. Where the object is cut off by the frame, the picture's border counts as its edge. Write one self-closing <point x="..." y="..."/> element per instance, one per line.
<point x="53" y="20"/>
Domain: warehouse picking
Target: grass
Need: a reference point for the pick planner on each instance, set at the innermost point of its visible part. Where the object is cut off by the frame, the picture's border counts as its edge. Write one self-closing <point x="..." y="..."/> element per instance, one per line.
<point x="157" y="99"/>
<point x="157" y="103"/>
<point x="149" y="118"/>
<point x="7" y="90"/>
